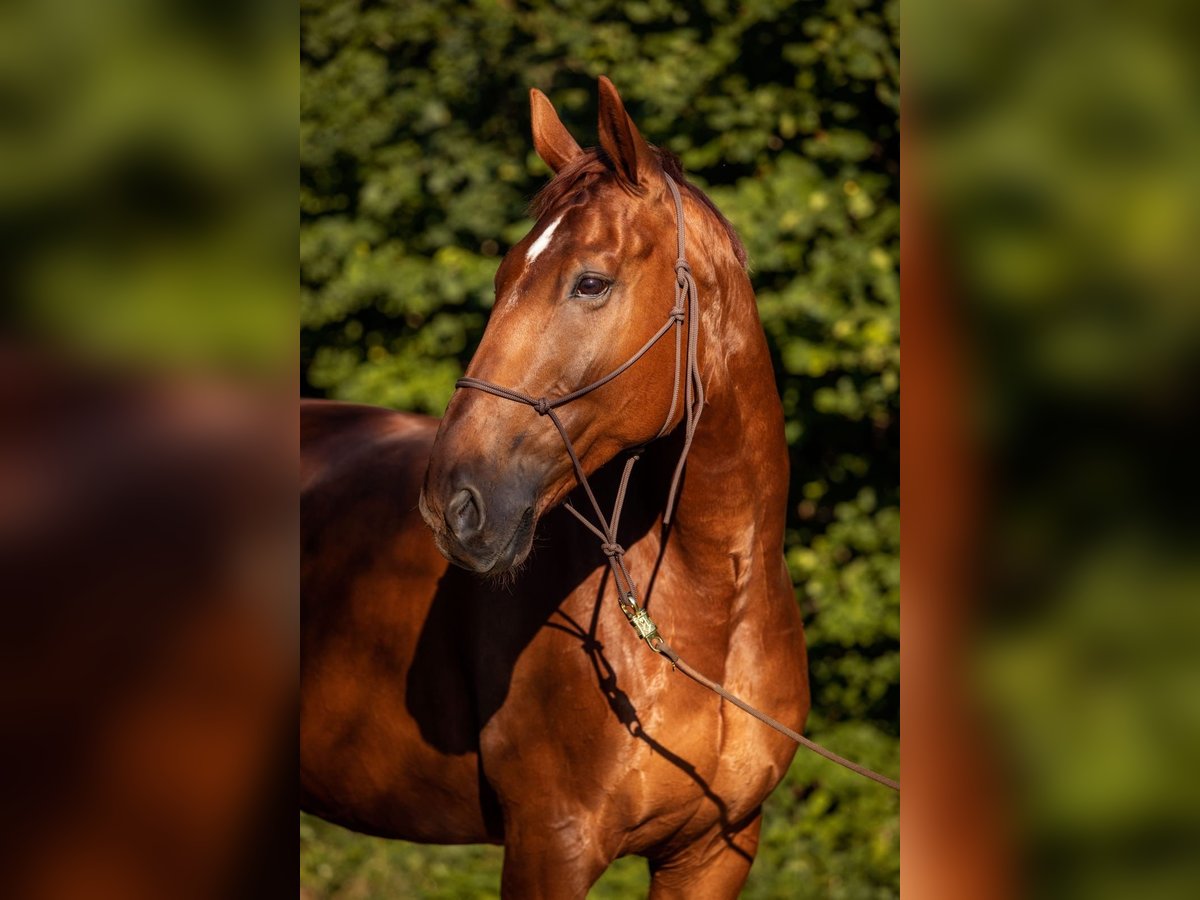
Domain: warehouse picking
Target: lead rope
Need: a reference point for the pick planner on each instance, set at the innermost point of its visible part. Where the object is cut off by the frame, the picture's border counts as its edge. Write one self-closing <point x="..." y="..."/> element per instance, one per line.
<point x="687" y="370"/>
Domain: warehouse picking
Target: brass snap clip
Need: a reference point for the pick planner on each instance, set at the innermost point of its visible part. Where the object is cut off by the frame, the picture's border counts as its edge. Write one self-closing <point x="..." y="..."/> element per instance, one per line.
<point x="642" y="623"/>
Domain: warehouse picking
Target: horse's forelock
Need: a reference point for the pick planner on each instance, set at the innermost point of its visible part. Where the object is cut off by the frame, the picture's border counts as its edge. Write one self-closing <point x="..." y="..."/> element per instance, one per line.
<point x="573" y="181"/>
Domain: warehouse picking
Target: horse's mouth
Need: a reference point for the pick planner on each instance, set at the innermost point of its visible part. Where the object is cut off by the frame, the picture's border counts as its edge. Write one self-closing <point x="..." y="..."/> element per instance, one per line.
<point x="514" y="552"/>
<point x="517" y="548"/>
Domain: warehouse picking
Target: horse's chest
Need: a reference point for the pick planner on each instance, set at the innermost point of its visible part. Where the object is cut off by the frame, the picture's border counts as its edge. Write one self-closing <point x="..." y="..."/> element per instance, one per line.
<point x="601" y="726"/>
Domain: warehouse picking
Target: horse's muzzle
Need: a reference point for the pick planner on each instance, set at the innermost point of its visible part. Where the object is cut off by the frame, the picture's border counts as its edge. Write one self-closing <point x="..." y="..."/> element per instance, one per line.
<point x="484" y="530"/>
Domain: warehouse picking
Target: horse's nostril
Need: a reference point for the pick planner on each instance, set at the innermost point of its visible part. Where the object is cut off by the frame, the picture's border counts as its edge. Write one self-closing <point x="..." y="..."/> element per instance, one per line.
<point x="464" y="513"/>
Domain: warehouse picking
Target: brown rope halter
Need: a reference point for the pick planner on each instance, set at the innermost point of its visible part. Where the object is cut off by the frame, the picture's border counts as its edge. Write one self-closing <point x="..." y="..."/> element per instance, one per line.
<point x="686" y="310"/>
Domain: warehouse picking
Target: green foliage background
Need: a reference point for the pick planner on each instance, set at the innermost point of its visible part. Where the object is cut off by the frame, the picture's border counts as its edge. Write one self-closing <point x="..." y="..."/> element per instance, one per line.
<point x="416" y="167"/>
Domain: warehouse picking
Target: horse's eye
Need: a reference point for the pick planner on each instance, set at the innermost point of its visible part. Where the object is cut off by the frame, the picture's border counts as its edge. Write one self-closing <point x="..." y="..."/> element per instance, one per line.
<point x="591" y="286"/>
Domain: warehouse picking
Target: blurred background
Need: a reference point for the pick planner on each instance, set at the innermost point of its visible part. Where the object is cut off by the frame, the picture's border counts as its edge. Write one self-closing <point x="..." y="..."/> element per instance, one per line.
<point x="416" y="169"/>
<point x="1052" y="207"/>
<point x="148" y="633"/>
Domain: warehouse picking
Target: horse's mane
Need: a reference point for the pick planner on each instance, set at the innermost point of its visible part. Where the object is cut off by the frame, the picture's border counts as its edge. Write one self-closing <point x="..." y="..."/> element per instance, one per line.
<point x="574" y="180"/>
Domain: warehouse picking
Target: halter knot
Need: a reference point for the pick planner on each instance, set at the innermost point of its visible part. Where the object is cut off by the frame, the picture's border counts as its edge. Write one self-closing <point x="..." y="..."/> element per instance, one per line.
<point x="677" y="315"/>
<point x="541" y="405"/>
<point x="610" y="550"/>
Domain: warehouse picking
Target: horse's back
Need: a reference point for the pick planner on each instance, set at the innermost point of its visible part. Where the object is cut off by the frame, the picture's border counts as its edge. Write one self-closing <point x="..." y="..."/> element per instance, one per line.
<point x="334" y="434"/>
<point x="369" y="573"/>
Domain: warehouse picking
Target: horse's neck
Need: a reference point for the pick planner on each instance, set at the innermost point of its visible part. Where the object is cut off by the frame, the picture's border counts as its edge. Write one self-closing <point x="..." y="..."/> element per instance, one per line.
<point x="733" y="502"/>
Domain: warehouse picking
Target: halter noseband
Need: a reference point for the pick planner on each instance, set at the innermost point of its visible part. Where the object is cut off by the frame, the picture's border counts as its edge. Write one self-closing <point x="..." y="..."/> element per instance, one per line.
<point x="686" y="308"/>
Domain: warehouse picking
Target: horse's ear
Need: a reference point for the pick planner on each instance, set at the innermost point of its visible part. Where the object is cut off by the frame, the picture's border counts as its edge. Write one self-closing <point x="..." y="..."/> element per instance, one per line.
<point x="551" y="139"/>
<point x="632" y="156"/>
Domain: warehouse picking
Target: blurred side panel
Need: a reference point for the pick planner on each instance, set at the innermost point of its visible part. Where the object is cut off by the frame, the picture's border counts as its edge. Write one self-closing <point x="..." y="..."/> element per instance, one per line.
<point x="1054" y="193"/>
<point x="148" y="635"/>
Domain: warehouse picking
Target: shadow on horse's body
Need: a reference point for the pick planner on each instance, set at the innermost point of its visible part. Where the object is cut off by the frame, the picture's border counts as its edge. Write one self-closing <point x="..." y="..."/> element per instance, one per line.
<point x="521" y="709"/>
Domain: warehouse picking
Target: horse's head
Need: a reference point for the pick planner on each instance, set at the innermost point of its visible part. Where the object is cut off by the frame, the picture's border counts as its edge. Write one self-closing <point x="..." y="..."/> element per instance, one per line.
<point x="576" y="298"/>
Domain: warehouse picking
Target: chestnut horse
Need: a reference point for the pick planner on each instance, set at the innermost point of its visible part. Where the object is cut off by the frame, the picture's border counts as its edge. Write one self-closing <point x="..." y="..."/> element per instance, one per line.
<point x="519" y="707"/>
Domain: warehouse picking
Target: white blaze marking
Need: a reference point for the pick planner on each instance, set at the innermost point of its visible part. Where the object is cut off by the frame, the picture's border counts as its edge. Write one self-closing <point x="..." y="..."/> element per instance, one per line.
<point x="542" y="242"/>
